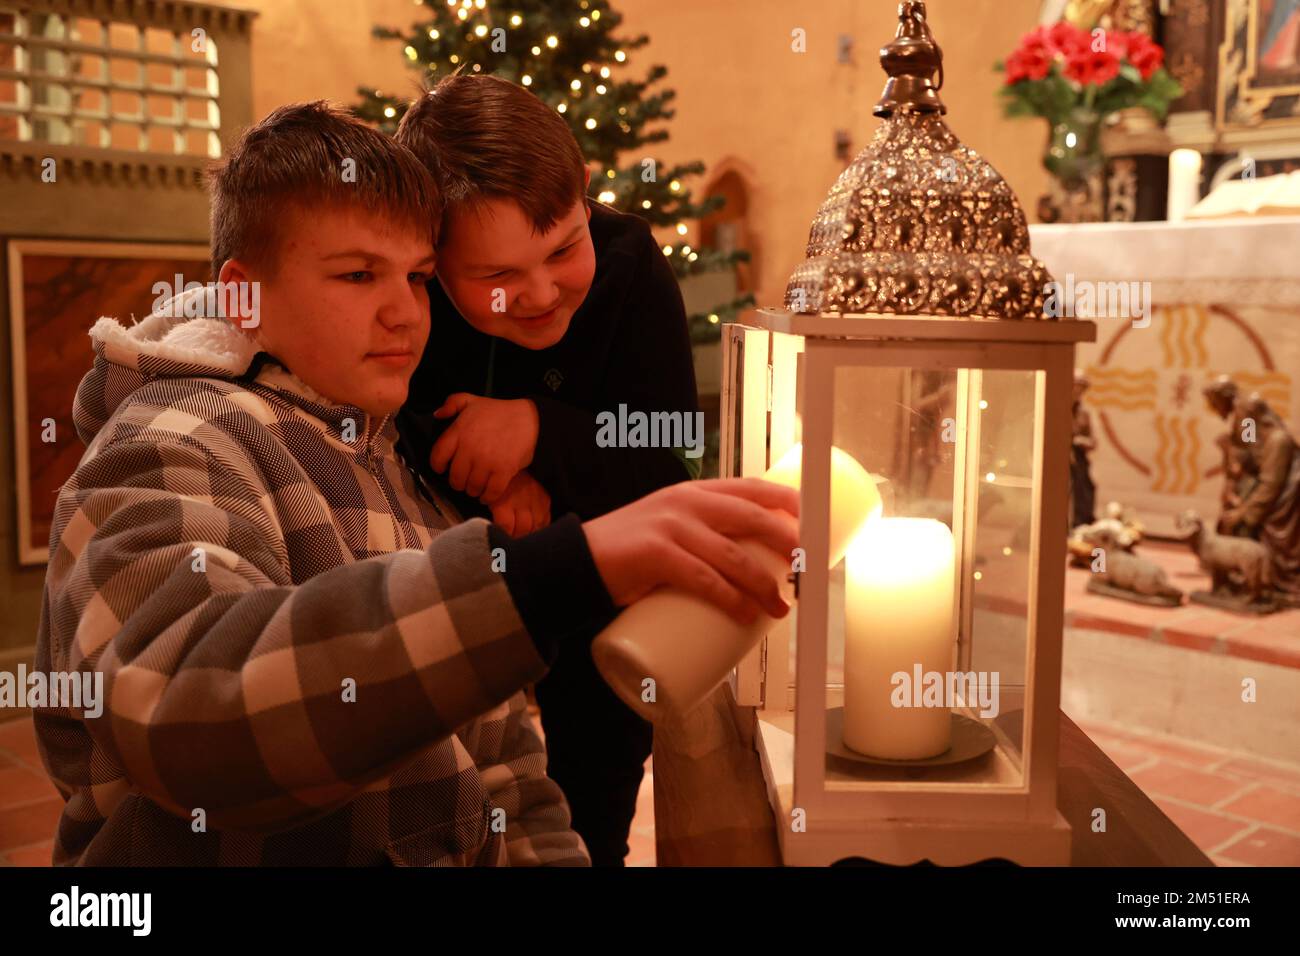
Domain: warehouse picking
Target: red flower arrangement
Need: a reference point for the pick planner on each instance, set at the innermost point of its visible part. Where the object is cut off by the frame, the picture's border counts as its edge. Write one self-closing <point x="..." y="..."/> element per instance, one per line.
<point x="1056" y="70"/>
<point x="1074" y="79"/>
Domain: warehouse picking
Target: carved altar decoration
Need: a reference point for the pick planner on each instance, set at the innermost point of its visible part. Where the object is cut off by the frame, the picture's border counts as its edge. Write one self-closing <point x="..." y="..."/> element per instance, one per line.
<point x="1237" y="62"/>
<point x="1109" y="14"/>
<point x="1259" y="71"/>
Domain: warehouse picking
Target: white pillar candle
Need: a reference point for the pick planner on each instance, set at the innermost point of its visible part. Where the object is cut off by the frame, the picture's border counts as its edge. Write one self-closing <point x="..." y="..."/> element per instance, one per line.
<point x="685" y="645"/>
<point x="1184" y="183"/>
<point x="898" y="614"/>
<point x="854" y="498"/>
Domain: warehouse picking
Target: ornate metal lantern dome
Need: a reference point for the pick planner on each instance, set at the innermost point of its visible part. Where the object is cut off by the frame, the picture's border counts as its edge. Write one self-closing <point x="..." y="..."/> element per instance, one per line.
<point x="918" y="224"/>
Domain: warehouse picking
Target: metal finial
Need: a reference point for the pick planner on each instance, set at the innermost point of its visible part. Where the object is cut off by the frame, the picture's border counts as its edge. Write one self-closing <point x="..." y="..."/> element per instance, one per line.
<point x="911" y="59"/>
<point x="918" y="224"/>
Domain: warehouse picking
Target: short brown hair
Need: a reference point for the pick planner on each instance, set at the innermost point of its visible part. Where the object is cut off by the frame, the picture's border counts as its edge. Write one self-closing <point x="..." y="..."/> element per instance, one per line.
<point x="295" y="158"/>
<point x="483" y="137"/>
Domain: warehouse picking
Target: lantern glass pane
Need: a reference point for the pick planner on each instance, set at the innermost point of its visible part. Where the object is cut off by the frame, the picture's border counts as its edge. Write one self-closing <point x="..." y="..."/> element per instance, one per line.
<point x="1000" y="565"/>
<point x="927" y="615"/>
<point x="744" y="408"/>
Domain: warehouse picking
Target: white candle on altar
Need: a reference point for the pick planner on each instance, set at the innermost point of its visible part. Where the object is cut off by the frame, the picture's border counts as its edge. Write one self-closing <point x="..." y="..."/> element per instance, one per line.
<point x="898" y="614"/>
<point x="1184" y="183"/>
<point x="684" y="645"/>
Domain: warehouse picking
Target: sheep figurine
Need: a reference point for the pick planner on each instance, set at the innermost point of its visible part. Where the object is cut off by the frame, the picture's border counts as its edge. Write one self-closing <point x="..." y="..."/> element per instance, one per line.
<point x="1237" y="566"/>
<point x="1125" y="571"/>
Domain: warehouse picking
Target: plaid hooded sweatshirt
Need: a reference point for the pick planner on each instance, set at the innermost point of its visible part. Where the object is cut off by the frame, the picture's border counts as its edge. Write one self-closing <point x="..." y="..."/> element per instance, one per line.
<point x="304" y="662"/>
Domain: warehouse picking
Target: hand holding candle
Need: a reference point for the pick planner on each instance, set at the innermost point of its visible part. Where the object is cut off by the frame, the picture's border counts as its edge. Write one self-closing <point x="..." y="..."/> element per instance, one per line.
<point x="685" y="645"/>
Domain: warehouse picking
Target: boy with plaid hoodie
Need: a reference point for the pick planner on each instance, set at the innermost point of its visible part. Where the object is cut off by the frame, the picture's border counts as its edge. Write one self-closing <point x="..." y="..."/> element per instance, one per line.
<point x="305" y="658"/>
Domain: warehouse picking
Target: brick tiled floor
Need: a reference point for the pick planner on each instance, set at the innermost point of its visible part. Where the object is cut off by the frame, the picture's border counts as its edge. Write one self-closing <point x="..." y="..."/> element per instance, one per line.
<point x="29" y="804"/>
<point x="1240" y="811"/>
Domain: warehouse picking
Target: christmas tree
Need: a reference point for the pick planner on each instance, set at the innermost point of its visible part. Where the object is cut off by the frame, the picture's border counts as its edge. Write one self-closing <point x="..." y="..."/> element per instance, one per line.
<point x="568" y="54"/>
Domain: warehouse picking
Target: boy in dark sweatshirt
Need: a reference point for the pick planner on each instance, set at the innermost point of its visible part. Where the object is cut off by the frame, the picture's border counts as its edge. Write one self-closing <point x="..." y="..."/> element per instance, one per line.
<point x="554" y="321"/>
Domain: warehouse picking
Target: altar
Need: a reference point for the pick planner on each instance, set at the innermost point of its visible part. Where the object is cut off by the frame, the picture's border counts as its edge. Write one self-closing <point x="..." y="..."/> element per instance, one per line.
<point x="1223" y="299"/>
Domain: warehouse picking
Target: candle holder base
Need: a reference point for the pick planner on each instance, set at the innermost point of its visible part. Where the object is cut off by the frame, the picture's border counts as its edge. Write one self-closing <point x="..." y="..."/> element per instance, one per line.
<point x="970" y="739"/>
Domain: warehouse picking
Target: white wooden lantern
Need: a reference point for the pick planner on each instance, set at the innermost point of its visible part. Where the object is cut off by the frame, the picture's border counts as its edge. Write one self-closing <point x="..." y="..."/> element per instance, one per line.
<point x="909" y="707"/>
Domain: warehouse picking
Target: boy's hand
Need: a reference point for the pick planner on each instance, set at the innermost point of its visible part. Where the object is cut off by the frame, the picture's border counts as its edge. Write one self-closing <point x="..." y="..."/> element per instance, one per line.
<point x="490" y="442"/>
<point x="523" y="508"/>
<point x="685" y="536"/>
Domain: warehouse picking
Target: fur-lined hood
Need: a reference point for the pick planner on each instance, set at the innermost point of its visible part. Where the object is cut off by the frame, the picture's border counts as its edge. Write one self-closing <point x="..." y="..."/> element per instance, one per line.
<point x="171" y="344"/>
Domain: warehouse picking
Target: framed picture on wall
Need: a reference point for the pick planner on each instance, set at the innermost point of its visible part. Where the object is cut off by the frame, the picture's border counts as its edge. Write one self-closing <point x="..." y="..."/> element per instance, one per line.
<point x="1259" y="66"/>
<point x="57" y="289"/>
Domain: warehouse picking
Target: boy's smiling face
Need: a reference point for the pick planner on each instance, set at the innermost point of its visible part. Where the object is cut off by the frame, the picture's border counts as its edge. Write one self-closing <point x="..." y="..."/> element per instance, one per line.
<point x="345" y="307"/>
<point x="542" y="278"/>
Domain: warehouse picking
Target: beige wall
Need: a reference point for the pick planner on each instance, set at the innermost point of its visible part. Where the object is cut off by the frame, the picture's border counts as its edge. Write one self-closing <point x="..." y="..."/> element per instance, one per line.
<point x="743" y="97"/>
<point x="314" y="49"/>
